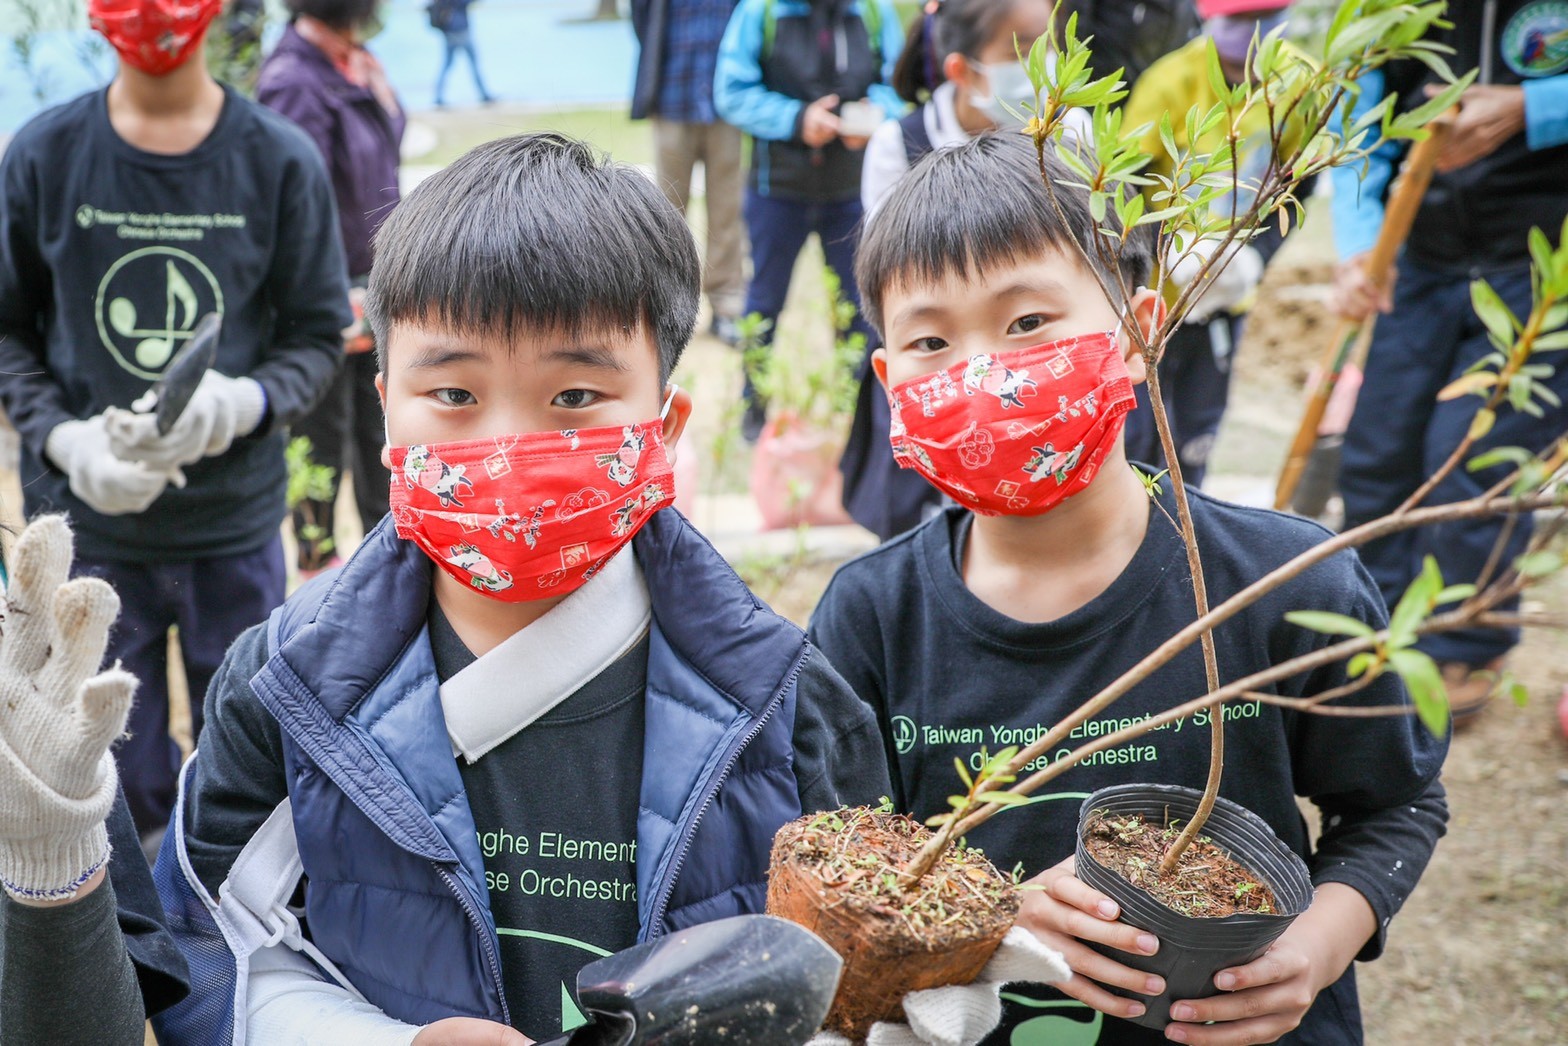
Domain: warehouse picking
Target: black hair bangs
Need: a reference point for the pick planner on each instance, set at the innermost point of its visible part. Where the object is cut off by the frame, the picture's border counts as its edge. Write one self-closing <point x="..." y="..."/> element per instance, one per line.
<point x="537" y="232"/>
<point x="968" y="209"/>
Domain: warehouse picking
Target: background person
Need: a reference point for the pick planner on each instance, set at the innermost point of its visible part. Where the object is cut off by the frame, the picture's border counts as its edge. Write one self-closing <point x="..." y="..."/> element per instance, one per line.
<point x="674" y="93"/>
<point x="785" y="67"/>
<point x="197" y="201"/>
<point x="1503" y="170"/>
<point x="322" y="77"/>
<point x="451" y="18"/>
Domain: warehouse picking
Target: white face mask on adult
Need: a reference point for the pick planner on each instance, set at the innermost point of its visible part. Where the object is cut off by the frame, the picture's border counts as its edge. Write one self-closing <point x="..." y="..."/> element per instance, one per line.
<point x="1011" y="94"/>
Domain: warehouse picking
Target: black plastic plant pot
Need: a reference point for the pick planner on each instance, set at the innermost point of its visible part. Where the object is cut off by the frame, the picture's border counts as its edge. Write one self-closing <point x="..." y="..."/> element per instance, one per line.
<point x="1194" y="949"/>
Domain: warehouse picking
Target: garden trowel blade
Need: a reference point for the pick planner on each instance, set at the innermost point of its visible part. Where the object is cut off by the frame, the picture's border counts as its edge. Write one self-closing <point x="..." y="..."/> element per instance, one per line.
<point x="751" y="980"/>
<point x="175" y="388"/>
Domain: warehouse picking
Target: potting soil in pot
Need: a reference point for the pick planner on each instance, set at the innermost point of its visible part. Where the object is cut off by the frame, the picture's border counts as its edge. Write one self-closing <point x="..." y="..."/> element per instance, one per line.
<point x="837" y="874"/>
<point x="1206" y="883"/>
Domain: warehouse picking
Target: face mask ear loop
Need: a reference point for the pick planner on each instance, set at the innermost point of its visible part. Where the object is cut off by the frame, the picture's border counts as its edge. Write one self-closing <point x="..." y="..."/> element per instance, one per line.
<point x="669" y="399"/>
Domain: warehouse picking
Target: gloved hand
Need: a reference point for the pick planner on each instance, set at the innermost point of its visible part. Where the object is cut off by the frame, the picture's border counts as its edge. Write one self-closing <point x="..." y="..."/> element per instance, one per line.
<point x="108" y="485"/>
<point x="222" y="410"/>
<point x="57" y="719"/>
<point x="963" y="1014"/>
<point x="1223" y="289"/>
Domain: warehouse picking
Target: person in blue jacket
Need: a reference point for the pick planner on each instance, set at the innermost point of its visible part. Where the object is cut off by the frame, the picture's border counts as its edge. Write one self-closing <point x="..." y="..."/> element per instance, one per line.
<point x="1503" y="170"/>
<point x="786" y="69"/>
<point x="536" y="718"/>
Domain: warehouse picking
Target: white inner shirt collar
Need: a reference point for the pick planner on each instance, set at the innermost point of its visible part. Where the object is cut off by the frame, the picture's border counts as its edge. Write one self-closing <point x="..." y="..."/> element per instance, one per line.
<point x="544" y="664"/>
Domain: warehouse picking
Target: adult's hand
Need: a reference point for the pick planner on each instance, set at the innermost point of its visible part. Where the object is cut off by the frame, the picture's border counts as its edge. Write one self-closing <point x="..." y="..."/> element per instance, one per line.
<point x="1489" y="115"/>
<point x="1066" y="912"/>
<point x="58" y="717"/>
<point x="819" y="124"/>
<point x="469" y="1031"/>
<point x="1355" y="297"/>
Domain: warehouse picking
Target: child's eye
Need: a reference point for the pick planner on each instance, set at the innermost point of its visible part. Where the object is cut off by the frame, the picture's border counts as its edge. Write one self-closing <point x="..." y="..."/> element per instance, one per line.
<point x="574" y="399"/>
<point x="928" y="345"/>
<point x="1024" y="324"/>
<point x="454" y="397"/>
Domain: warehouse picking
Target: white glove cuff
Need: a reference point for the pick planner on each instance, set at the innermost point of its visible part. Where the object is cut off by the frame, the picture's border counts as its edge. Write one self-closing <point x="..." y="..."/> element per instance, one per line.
<point x="250" y="403"/>
<point x="52" y="869"/>
<point x="62" y="441"/>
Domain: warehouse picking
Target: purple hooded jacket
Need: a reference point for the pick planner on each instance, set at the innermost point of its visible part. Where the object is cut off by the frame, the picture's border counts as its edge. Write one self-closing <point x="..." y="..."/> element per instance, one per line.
<point x="357" y="137"/>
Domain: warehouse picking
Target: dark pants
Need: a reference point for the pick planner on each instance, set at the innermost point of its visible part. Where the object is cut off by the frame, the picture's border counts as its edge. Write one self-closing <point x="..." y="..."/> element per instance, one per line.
<point x="346" y="434"/>
<point x="778" y="230"/>
<point x="459" y="41"/>
<point x="211" y="601"/>
<point x="1400" y="434"/>
<point x="1195" y="383"/>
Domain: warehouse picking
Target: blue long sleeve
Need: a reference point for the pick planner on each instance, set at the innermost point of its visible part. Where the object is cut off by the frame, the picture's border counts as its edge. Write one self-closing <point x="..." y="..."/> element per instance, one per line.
<point x="1357" y="203"/>
<point x="892" y="44"/>
<point x="1546" y="111"/>
<point x="739" y="94"/>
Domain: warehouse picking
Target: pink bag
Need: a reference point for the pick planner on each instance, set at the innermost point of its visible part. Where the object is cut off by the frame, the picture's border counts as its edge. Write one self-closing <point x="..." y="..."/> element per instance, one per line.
<point x="795" y="477"/>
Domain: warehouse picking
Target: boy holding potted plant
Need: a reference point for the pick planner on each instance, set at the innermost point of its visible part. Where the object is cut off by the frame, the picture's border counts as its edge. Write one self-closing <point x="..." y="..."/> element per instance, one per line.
<point x="1010" y="374"/>
<point x="548" y="747"/>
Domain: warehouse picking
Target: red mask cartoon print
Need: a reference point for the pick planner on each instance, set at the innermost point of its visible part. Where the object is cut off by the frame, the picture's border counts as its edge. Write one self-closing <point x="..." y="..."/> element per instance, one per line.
<point x="1015" y="433"/>
<point x="530" y="516"/>
<point x="155" y="36"/>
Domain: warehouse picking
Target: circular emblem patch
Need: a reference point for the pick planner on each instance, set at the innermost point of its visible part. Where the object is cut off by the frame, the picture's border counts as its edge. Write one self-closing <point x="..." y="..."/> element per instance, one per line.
<point x="1535" y="42"/>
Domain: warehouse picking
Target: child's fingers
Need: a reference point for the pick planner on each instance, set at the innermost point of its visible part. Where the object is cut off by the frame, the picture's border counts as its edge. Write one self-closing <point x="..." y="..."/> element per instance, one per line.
<point x="1233" y="1033"/>
<point x="1089" y="915"/>
<point x="1070" y="889"/>
<point x="1087" y="962"/>
<point x="1091" y="994"/>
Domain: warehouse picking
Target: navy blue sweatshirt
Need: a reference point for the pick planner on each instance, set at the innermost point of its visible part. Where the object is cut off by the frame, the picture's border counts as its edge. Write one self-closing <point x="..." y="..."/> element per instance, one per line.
<point x="947" y="674"/>
<point x="108" y="257"/>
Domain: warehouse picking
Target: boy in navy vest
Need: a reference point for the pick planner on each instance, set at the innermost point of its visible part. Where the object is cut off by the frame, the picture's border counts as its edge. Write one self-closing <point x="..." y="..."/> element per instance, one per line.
<point x="509" y="743"/>
<point x="1009" y="372"/>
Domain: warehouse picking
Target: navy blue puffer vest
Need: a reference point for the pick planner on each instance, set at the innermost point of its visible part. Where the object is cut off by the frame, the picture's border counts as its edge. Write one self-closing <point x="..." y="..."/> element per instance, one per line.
<point x="395" y="881"/>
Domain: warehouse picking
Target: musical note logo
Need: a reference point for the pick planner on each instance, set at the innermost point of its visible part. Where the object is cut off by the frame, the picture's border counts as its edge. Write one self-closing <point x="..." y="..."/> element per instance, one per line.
<point x="143" y="332"/>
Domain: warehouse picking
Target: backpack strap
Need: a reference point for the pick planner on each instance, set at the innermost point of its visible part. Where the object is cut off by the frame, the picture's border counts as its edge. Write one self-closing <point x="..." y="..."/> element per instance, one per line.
<point x="253" y="902"/>
<point x="917" y="140"/>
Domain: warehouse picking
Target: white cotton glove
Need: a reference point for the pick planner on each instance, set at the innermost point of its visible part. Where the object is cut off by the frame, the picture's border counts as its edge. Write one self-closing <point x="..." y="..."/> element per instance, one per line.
<point x="222" y="410"/>
<point x="57" y="719"/>
<point x="963" y="1014"/>
<point x="103" y="481"/>
<point x="1224" y="289"/>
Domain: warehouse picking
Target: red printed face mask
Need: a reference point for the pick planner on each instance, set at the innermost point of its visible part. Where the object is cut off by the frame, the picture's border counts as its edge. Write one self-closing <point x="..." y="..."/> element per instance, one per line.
<point x="531" y="516"/>
<point x="1015" y="433"/>
<point x="155" y="36"/>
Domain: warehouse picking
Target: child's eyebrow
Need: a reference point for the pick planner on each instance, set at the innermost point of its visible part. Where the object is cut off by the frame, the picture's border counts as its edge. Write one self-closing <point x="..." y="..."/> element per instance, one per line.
<point x="440" y="356"/>
<point x="587" y="356"/>
<point x="1025" y="290"/>
<point x="916" y="313"/>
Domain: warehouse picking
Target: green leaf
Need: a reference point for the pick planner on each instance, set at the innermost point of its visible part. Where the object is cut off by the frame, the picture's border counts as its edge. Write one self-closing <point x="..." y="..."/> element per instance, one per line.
<point x="1357" y="666"/>
<point x="1004" y="798"/>
<point x="1415" y="605"/>
<point x="1553" y="342"/>
<point x="1519" y="693"/>
<point x="1474" y="383"/>
<point x="1482" y="423"/>
<point x="1329" y="624"/>
<point x="1515" y="456"/>
<point x="1495" y="315"/>
<point x="1424" y="681"/>
<point x="963" y="772"/>
<point x="1538" y="564"/>
<point x="1455" y="593"/>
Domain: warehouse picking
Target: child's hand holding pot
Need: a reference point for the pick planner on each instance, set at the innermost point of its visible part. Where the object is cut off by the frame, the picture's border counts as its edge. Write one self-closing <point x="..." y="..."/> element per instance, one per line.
<point x="1268" y="997"/>
<point x="1064" y="912"/>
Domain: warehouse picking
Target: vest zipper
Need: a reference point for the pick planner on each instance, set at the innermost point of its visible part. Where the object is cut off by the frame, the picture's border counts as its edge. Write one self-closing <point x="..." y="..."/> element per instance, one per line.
<point x="491" y="959"/>
<point x="656" y="923"/>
